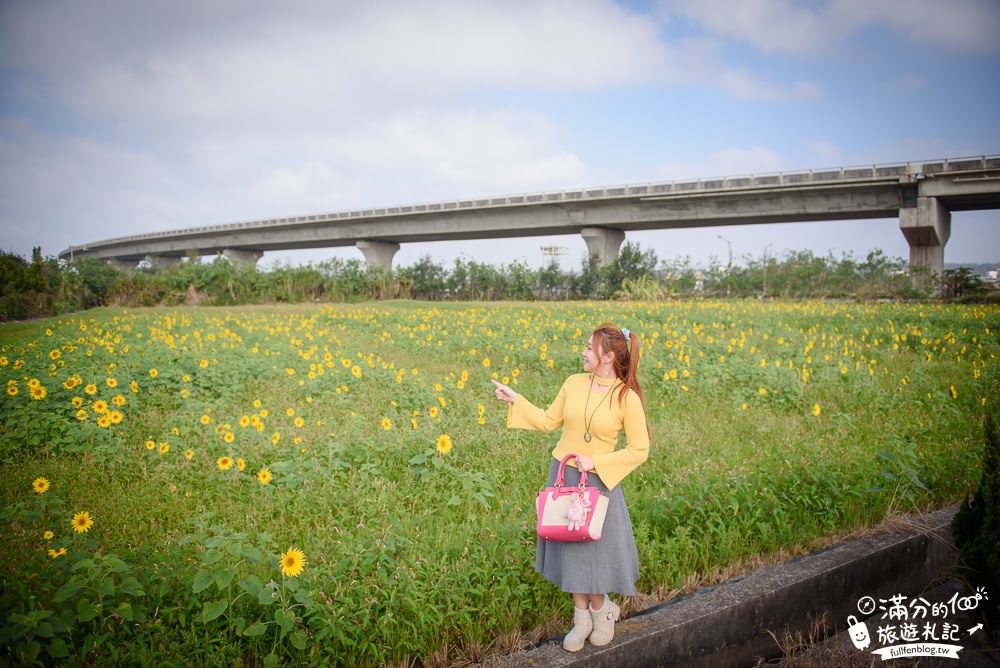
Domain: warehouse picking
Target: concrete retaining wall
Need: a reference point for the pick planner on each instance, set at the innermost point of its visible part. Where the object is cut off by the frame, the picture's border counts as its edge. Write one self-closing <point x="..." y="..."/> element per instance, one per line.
<point x="728" y="624"/>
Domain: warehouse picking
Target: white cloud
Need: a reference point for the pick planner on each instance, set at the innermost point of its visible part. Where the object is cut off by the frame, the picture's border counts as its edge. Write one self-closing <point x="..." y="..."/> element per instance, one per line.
<point x="784" y="26"/>
<point x="745" y="86"/>
<point x="322" y="63"/>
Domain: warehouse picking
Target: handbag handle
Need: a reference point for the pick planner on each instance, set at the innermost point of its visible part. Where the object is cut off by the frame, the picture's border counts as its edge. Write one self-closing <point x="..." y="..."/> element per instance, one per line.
<point x="562" y="472"/>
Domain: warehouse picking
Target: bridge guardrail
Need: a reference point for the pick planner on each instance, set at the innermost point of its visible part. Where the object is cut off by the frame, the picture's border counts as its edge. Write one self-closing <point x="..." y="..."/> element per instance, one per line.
<point x="875" y="172"/>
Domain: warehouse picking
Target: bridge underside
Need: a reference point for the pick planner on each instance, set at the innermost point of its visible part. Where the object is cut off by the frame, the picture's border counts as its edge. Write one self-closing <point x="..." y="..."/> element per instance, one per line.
<point x="923" y="206"/>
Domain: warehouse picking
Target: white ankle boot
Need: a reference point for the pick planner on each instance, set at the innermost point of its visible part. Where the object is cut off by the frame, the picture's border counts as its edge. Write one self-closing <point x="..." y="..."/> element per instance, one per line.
<point x="604" y="622"/>
<point x="583" y="624"/>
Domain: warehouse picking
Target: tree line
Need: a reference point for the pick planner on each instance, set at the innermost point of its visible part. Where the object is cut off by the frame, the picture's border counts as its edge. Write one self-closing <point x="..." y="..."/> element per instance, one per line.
<point x="44" y="286"/>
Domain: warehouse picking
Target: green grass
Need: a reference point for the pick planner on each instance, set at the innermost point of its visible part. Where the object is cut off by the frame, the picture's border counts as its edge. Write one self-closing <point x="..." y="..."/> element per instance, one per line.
<point x="413" y="555"/>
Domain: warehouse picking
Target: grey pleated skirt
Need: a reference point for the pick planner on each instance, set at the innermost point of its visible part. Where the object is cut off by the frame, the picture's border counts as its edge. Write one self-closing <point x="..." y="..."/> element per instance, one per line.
<point x="610" y="564"/>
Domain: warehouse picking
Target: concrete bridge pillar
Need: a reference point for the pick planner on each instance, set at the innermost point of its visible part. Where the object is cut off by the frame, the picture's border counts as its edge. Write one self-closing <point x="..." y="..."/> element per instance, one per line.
<point x="926" y="227"/>
<point x="378" y="253"/>
<point x="243" y="255"/>
<point x="161" y="261"/>
<point x="603" y="242"/>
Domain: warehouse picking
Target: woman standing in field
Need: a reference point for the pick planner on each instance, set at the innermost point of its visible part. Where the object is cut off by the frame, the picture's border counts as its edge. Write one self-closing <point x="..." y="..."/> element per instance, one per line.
<point x="592" y="408"/>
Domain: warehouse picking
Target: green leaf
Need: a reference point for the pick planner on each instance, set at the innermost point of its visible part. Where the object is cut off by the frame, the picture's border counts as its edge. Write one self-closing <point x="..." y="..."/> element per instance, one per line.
<point x="85" y="610"/>
<point x="251" y="584"/>
<point x="83" y="564"/>
<point x="213" y="609"/>
<point x="298" y="639"/>
<point x="57" y="649"/>
<point x="255" y="629"/>
<point x="202" y="580"/>
<point x="68" y="590"/>
<point x="253" y="555"/>
<point x="115" y="564"/>
<point x="223" y="576"/>
<point x="285" y="621"/>
<point x="271" y="660"/>
<point x="129" y="585"/>
<point x="240" y="623"/>
<point x="454" y="500"/>
<point x="124" y="609"/>
<point x="105" y="587"/>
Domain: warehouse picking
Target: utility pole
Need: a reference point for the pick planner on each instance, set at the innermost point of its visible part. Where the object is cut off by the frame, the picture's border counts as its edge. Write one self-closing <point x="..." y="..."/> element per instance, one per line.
<point x="553" y="252"/>
<point x="729" y="265"/>
<point x="765" y="271"/>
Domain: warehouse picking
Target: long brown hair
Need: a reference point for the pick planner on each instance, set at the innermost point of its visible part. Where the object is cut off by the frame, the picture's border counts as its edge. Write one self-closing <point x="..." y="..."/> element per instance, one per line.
<point x="609" y="337"/>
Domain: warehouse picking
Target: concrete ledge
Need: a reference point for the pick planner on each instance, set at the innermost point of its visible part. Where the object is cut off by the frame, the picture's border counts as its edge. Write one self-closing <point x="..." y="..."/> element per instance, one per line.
<point x="729" y="624"/>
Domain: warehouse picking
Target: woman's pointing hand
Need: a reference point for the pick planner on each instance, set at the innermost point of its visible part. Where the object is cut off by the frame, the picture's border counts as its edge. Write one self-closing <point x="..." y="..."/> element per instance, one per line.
<point x="504" y="393"/>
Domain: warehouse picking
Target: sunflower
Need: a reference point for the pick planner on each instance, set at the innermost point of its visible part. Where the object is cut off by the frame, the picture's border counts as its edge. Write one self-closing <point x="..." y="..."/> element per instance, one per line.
<point x="164" y="448"/>
<point x="153" y="373"/>
<point x="57" y="552"/>
<point x="90" y="388"/>
<point x="100" y="406"/>
<point x="188" y="454"/>
<point x="228" y="437"/>
<point x="292" y="562"/>
<point x="49" y="535"/>
<point x="111" y="383"/>
<point x="224" y="463"/>
<point x="816" y="410"/>
<point x="115" y="417"/>
<point x="82" y="522"/>
<point x="104" y="422"/>
<point x="77" y="402"/>
<point x="38" y="392"/>
<point x="204" y="419"/>
<point x="386" y="424"/>
<point x="444" y="444"/>
<point x="12" y="390"/>
<point x="240" y="463"/>
<point x="150" y="444"/>
<point x="264" y="476"/>
<point x="275" y="437"/>
<point x="40" y="485"/>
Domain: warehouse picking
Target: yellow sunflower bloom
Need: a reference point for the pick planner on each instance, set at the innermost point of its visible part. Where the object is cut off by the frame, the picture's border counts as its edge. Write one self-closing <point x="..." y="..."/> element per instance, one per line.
<point x="224" y="463"/>
<point x="40" y="485"/>
<point x="444" y="444"/>
<point x="82" y="522"/>
<point x="264" y="476"/>
<point x="292" y="562"/>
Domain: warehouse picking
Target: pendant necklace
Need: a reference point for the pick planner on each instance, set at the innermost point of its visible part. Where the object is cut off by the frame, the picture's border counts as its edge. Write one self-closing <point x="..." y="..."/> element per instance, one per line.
<point x="587" y="422"/>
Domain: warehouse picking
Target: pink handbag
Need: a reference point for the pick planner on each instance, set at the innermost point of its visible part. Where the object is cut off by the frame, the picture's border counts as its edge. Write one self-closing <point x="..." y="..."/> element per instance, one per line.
<point x="571" y="514"/>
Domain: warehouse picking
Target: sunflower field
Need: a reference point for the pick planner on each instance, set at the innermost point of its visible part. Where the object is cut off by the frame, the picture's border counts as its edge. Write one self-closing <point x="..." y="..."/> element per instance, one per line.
<point x="335" y="484"/>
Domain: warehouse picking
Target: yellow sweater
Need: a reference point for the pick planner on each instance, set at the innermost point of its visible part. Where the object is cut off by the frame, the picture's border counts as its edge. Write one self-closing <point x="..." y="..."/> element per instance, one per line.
<point x="605" y="416"/>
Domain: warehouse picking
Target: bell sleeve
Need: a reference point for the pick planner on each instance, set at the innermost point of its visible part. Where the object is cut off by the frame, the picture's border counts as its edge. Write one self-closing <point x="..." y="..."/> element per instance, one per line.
<point x="612" y="467"/>
<point x="522" y="414"/>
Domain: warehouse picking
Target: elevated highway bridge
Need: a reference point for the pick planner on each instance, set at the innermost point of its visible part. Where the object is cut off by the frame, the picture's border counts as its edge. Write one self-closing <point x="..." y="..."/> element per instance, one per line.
<point x="922" y="195"/>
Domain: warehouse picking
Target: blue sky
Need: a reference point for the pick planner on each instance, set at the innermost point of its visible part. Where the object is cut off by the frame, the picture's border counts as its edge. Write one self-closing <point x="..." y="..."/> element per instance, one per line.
<point x="118" y="117"/>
